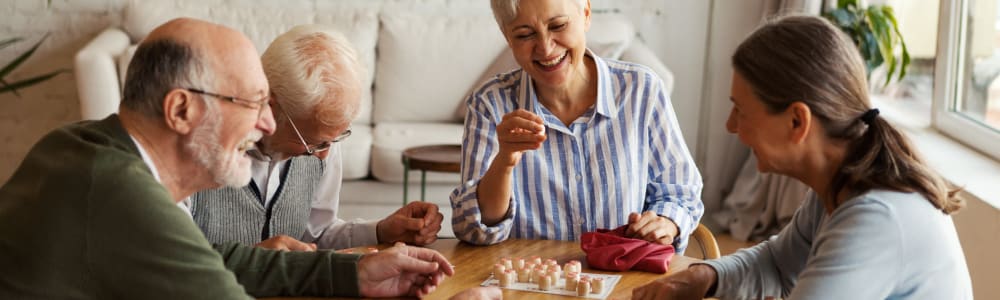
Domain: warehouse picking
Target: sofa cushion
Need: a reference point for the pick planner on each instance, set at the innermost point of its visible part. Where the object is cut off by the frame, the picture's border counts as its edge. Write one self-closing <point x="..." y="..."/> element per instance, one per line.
<point x="356" y="151"/>
<point x="358" y="23"/>
<point x="427" y="63"/>
<point x="391" y="138"/>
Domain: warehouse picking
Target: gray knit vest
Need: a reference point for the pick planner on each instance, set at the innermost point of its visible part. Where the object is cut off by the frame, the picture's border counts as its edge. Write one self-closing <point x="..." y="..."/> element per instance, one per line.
<point x="239" y="215"/>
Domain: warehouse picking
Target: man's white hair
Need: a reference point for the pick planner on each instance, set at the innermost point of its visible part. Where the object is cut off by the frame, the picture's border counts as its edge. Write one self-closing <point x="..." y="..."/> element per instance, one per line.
<point x="504" y="11"/>
<point x="310" y="69"/>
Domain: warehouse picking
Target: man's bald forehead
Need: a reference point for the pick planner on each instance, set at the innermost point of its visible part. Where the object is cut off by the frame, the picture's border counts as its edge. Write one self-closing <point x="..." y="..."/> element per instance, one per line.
<point x="224" y="52"/>
<point x="191" y="31"/>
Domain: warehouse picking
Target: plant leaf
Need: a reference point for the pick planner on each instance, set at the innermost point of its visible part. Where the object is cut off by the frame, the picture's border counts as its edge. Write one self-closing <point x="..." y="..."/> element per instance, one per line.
<point x="870" y="52"/>
<point x="846" y="3"/>
<point x="884" y="38"/>
<point x="906" y="59"/>
<point x="841" y="17"/>
<point x="8" y="42"/>
<point x="20" y="59"/>
<point x="891" y="16"/>
<point x="5" y="85"/>
<point x="28" y="82"/>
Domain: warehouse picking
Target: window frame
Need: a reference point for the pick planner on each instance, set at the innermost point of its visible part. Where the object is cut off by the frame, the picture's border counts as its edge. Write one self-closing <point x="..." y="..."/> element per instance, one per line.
<point x="949" y="73"/>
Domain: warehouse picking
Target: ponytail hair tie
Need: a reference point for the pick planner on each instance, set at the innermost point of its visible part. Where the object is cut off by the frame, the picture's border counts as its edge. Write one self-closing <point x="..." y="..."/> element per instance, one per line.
<point x="869" y="116"/>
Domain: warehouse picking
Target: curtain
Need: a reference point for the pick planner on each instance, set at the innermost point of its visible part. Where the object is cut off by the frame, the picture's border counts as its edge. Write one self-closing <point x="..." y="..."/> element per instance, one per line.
<point x="759" y="205"/>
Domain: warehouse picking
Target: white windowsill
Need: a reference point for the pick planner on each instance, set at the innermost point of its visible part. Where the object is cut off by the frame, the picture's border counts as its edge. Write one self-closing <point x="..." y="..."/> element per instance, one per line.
<point x="976" y="172"/>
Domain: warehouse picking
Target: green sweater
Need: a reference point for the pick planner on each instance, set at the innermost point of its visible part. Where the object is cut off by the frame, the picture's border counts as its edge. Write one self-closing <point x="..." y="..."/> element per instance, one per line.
<point x="84" y="218"/>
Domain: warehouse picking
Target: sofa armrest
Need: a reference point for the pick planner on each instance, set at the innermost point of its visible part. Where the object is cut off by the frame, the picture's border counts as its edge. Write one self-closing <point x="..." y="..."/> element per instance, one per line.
<point x="97" y="76"/>
<point x="639" y="53"/>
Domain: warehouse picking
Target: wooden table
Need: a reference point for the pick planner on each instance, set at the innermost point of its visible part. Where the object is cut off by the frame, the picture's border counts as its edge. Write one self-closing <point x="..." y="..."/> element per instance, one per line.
<point x="437" y="158"/>
<point x="473" y="265"/>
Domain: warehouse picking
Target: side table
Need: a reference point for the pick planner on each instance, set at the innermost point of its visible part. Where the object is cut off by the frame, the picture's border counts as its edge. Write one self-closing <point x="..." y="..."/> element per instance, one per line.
<point x="437" y="158"/>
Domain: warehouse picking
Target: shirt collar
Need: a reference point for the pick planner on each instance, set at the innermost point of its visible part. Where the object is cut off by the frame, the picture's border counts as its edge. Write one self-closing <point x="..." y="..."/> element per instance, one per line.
<point x="146" y="159"/>
<point x="605" y="92"/>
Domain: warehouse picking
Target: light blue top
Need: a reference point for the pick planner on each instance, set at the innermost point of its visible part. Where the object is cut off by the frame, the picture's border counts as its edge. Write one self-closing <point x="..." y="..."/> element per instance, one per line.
<point x="880" y="245"/>
<point x="626" y="154"/>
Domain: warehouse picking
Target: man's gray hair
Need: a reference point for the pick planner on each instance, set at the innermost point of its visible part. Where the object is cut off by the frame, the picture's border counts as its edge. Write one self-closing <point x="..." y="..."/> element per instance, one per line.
<point x="504" y="11"/>
<point x="310" y="68"/>
<point x="159" y="67"/>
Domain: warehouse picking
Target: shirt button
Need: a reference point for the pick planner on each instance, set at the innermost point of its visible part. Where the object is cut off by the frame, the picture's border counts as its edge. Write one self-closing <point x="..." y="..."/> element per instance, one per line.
<point x="578" y="176"/>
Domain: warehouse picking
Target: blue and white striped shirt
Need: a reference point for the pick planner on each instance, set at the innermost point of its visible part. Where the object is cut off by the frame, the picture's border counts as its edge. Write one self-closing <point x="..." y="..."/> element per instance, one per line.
<point x="626" y="154"/>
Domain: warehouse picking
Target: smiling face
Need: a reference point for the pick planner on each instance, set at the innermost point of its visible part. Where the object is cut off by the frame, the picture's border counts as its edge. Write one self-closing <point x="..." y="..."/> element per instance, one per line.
<point x="229" y="129"/>
<point x="766" y="133"/>
<point x="227" y="167"/>
<point x="548" y="39"/>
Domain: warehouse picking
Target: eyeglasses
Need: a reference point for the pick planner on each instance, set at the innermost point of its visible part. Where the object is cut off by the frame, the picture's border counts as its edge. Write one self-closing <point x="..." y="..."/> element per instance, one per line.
<point x="259" y="105"/>
<point x="310" y="150"/>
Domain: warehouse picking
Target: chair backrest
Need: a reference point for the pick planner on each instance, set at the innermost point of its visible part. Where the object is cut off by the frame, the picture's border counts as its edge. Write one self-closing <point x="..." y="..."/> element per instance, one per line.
<point x="706" y="242"/>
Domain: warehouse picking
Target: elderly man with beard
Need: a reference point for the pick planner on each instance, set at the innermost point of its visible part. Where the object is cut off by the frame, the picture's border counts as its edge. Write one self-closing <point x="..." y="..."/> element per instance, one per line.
<point x="292" y="200"/>
<point x="91" y="213"/>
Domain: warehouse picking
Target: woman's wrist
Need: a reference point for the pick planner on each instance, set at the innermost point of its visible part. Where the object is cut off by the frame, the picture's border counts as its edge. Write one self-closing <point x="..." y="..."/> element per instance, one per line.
<point x="506" y="161"/>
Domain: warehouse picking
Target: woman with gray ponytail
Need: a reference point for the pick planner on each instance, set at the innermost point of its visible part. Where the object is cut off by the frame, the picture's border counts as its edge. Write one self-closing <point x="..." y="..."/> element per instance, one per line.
<point x="876" y="225"/>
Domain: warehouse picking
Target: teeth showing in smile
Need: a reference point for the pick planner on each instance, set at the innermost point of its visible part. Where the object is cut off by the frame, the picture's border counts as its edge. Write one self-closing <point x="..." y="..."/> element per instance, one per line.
<point x="554" y="61"/>
<point x="246" y="145"/>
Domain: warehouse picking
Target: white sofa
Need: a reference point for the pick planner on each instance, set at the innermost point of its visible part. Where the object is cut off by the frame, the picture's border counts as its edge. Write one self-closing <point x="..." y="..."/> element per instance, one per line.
<point x="422" y="57"/>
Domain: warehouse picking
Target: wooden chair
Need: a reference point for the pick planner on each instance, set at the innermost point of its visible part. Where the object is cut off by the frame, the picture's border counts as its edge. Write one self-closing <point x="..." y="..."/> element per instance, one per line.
<point x="706" y="242"/>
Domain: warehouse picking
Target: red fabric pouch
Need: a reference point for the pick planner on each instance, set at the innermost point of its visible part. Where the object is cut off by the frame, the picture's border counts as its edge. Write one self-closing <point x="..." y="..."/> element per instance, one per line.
<point x="611" y="250"/>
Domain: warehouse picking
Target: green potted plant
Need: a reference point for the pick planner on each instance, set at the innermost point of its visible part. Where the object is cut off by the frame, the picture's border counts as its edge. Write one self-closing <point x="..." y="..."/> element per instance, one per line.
<point x="876" y="33"/>
<point x="7" y="87"/>
<point x="12" y="87"/>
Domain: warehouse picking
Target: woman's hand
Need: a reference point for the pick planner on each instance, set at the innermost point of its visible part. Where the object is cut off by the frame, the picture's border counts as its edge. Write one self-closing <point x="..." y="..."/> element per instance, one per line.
<point x="651" y="227"/>
<point x="692" y="283"/>
<point x="519" y="131"/>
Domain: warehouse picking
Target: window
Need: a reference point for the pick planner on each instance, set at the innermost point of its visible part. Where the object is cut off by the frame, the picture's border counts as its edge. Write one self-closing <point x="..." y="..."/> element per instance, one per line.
<point x="953" y="82"/>
<point x="966" y="102"/>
